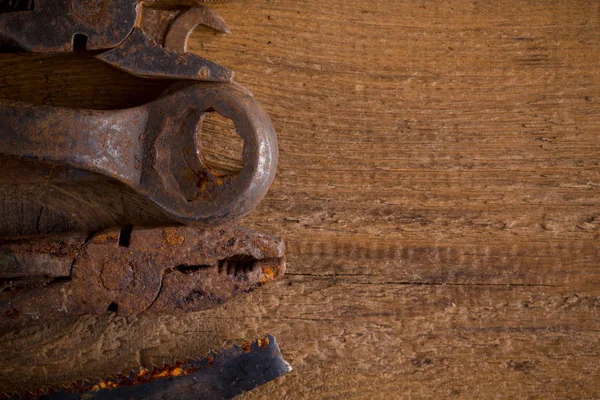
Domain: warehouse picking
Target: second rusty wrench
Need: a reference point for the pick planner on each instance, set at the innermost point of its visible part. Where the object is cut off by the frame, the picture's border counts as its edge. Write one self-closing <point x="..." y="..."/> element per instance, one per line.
<point x="147" y="38"/>
<point x="155" y="149"/>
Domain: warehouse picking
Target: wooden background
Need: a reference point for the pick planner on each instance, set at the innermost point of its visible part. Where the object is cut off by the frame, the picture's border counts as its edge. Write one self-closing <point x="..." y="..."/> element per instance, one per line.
<point x="438" y="189"/>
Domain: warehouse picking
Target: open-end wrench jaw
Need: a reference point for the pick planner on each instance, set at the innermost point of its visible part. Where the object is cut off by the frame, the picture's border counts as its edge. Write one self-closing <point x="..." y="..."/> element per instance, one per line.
<point x="144" y="38"/>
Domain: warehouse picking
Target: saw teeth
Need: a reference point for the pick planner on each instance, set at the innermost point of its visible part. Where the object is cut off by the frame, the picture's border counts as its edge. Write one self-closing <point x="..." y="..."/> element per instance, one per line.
<point x="143" y="375"/>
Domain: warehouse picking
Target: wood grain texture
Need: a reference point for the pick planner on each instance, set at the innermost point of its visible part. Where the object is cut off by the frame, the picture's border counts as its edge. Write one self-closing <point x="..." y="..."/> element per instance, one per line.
<point x="438" y="189"/>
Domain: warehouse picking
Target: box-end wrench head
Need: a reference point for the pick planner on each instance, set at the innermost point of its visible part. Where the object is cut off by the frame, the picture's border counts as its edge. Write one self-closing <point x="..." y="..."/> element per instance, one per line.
<point x="155" y="148"/>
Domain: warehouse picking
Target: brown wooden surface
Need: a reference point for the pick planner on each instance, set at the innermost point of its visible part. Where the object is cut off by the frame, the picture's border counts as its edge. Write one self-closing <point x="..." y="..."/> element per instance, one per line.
<point x="438" y="190"/>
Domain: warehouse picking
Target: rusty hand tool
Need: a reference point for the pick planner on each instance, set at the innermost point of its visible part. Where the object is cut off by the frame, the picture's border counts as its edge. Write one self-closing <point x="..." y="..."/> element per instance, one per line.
<point x="143" y="37"/>
<point x="220" y="375"/>
<point x="155" y="148"/>
<point x="157" y="270"/>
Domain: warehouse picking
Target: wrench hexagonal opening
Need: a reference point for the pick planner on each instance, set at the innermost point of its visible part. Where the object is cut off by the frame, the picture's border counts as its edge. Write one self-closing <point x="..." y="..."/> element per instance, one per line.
<point x="222" y="147"/>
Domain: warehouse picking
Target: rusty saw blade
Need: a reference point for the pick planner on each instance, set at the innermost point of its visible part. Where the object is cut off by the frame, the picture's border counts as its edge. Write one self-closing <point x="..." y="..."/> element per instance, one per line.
<point x="221" y="375"/>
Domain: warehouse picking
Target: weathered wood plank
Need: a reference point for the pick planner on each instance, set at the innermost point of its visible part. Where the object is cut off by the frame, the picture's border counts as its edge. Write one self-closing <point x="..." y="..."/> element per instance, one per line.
<point x="438" y="189"/>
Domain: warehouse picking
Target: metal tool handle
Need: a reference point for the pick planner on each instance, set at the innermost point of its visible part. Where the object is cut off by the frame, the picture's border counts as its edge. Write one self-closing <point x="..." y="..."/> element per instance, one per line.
<point x="154" y="148"/>
<point x="105" y="142"/>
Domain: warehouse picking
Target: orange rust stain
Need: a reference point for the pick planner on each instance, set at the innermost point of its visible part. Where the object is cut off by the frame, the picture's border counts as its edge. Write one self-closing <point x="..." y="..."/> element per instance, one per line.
<point x="193" y="370"/>
<point x="106" y="237"/>
<point x="204" y="186"/>
<point x="269" y="274"/>
<point x="173" y="238"/>
<point x="142" y="375"/>
<point x="263" y="343"/>
<point x="168" y="372"/>
<point x="104" y="385"/>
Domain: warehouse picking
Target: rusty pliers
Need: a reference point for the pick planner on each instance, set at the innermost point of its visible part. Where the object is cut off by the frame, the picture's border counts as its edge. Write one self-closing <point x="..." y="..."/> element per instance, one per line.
<point x="146" y="38"/>
<point x="132" y="271"/>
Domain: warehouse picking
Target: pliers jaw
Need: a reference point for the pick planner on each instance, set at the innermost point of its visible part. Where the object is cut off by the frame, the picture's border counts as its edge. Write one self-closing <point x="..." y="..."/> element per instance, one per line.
<point x="145" y="38"/>
<point x="162" y="270"/>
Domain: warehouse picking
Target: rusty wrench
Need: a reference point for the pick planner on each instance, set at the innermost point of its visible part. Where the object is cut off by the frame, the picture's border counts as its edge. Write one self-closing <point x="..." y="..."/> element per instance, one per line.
<point x="155" y="149"/>
<point x="147" y="38"/>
